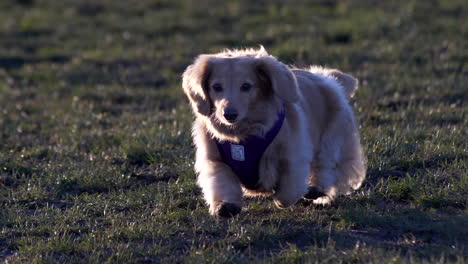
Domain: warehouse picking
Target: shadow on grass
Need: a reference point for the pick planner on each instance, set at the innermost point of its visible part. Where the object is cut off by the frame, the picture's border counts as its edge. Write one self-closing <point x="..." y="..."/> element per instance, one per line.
<point x="74" y="188"/>
<point x="404" y="102"/>
<point x="407" y="231"/>
<point x="125" y="72"/>
<point x="400" y="168"/>
<point x="31" y="33"/>
<point x="18" y="62"/>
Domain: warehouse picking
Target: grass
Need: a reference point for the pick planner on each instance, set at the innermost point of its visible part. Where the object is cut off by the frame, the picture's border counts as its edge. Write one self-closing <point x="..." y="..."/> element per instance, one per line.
<point x="95" y="151"/>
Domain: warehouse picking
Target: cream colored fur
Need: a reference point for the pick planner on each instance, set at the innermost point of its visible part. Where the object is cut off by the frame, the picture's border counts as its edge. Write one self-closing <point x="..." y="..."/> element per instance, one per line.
<point x="318" y="144"/>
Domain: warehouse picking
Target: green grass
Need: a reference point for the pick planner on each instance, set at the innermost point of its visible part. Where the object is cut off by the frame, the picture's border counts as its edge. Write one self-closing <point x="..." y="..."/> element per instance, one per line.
<point x="96" y="159"/>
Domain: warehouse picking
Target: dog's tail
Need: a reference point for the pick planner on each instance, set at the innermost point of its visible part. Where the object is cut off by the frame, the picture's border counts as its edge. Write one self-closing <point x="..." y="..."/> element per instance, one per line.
<point x="349" y="83"/>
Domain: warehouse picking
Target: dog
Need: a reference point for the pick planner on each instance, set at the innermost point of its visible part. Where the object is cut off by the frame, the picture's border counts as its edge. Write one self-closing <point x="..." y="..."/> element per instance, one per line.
<point x="263" y="128"/>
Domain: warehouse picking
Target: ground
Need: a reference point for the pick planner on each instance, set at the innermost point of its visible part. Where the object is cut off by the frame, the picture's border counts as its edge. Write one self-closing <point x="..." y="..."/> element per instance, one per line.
<point x="96" y="159"/>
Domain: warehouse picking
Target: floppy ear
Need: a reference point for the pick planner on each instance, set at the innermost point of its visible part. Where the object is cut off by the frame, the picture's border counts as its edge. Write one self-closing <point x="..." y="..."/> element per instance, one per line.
<point x="279" y="78"/>
<point x="194" y="82"/>
<point x="349" y="82"/>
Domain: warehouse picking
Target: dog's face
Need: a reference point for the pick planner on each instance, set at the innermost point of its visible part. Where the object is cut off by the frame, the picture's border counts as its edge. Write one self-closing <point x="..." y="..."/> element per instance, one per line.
<point x="230" y="88"/>
<point x="233" y="85"/>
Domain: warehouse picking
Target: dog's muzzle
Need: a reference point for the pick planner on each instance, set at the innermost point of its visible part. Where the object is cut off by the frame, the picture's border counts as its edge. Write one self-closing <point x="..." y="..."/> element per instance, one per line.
<point x="230" y="114"/>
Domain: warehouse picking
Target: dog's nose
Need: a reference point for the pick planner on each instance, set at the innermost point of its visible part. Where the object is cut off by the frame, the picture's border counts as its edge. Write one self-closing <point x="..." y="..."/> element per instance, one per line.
<point x="230" y="115"/>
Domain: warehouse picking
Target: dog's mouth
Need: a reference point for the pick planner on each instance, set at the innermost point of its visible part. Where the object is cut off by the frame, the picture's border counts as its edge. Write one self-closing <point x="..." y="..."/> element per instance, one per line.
<point x="226" y="124"/>
<point x="239" y="129"/>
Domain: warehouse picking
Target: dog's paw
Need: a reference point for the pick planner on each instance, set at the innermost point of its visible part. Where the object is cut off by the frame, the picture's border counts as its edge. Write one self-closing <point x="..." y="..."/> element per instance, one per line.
<point x="313" y="193"/>
<point x="323" y="200"/>
<point x="227" y="210"/>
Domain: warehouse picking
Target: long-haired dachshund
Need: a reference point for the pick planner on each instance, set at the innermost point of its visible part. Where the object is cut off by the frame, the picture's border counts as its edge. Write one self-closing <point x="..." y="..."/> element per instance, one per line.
<point x="262" y="128"/>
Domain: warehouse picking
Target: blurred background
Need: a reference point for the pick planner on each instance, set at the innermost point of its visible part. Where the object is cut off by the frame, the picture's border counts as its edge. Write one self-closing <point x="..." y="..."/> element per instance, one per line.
<point x="142" y="43"/>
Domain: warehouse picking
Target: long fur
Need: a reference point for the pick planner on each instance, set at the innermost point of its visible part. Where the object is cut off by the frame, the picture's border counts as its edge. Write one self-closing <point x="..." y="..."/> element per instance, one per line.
<point x="318" y="144"/>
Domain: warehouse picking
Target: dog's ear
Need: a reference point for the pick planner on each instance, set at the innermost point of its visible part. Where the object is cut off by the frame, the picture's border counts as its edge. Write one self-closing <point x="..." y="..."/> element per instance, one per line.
<point x="194" y="82"/>
<point x="277" y="77"/>
<point x="348" y="82"/>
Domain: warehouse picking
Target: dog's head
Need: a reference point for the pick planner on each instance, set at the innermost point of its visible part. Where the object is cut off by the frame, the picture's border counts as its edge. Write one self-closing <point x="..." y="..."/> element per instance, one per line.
<point x="228" y="84"/>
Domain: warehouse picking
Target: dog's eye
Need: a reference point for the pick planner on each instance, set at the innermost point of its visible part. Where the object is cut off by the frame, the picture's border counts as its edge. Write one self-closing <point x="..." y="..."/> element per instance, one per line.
<point x="217" y="87"/>
<point x="246" y="87"/>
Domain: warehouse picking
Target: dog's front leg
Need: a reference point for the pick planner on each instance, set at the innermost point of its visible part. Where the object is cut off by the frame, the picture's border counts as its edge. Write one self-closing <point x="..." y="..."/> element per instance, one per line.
<point x="221" y="188"/>
<point x="292" y="183"/>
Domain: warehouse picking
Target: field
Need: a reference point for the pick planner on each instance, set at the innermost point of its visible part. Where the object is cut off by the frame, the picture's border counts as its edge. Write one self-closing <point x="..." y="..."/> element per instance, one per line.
<point x="96" y="158"/>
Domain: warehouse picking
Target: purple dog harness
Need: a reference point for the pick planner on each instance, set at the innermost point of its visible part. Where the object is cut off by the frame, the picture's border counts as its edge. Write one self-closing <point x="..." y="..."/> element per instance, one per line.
<point x="244" y="157"/>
